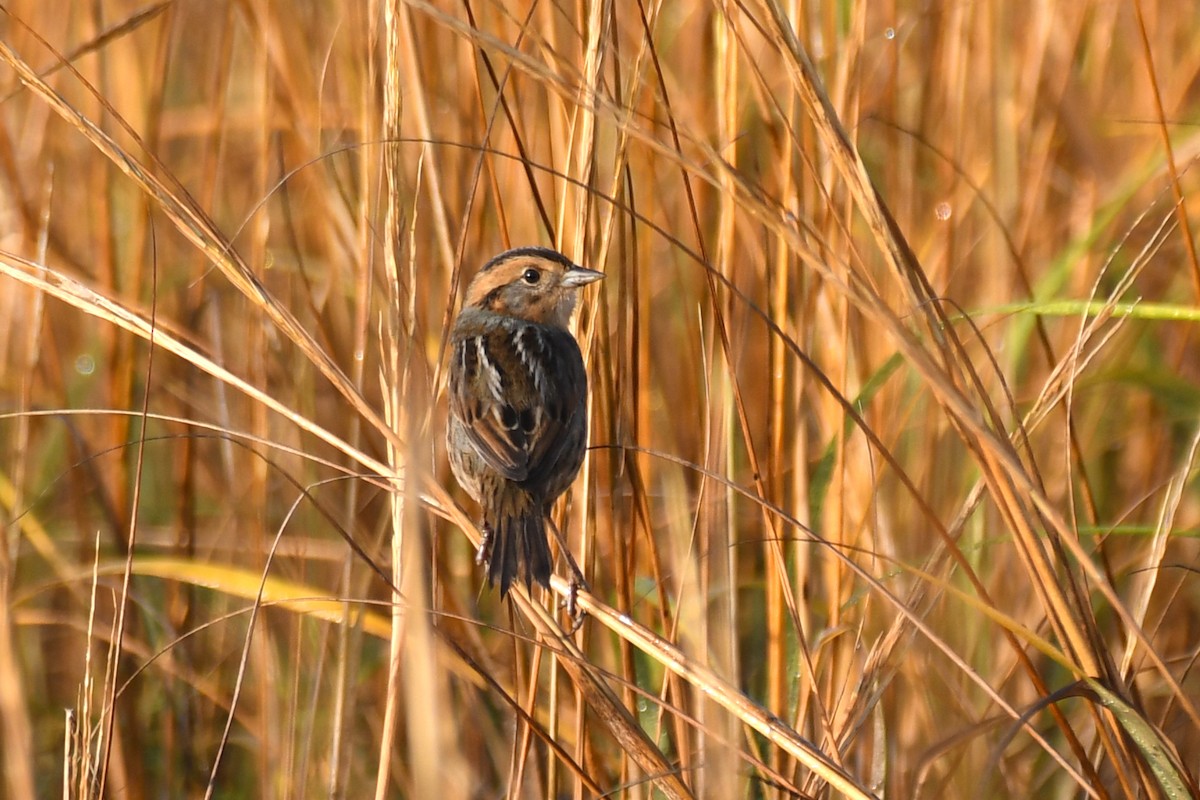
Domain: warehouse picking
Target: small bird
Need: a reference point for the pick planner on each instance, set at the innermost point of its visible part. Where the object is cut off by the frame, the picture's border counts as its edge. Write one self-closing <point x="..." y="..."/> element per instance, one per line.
<point x="518" y="407"/>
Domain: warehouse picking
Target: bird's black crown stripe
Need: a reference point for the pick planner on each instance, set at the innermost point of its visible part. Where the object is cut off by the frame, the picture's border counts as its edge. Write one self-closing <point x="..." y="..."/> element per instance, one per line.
<point x="520" y="252"/>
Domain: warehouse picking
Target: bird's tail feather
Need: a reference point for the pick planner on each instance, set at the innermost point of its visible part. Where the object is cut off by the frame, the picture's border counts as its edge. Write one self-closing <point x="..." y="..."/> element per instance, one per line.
<point x="520" y="550"/>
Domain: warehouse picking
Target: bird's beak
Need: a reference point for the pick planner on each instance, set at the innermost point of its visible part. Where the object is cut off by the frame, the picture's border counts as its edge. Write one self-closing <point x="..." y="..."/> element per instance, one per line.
<point x="580" y="276"/>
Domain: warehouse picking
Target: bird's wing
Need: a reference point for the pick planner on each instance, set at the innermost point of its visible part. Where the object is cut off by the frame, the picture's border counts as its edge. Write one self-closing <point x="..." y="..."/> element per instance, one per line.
<point x="564" y="419"/>
<point x="517" y="389"/>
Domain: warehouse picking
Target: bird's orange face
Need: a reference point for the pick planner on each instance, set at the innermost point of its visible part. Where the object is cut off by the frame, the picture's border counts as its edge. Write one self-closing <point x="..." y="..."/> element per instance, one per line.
<point x="530" y="285"/>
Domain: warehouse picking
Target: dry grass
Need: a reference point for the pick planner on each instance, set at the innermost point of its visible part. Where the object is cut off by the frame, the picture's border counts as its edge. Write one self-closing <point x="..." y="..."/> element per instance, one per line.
<point x="894" y="399"/>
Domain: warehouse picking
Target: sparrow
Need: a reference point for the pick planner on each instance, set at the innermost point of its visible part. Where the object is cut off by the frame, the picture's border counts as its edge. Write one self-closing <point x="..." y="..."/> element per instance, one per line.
<point x="518" y="425"/>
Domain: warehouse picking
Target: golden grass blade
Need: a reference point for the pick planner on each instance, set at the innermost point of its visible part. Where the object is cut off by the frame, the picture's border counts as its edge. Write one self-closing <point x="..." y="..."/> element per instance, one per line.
<point x="1000" y="465"/>
<point x="79" y="296"/>
<point x="600" y="699"/>
<point x="717" y="688"/>
<point x="195" y="225"/>
<point x="308" y="601"/>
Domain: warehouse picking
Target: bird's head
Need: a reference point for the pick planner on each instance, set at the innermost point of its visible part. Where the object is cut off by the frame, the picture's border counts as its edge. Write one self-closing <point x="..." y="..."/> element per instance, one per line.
<point x="532" y="283"/>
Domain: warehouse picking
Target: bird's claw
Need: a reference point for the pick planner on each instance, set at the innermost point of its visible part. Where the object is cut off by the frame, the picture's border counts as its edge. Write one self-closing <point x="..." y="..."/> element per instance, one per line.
<point x="571" y="603"/>
<point x="483" y="552"/>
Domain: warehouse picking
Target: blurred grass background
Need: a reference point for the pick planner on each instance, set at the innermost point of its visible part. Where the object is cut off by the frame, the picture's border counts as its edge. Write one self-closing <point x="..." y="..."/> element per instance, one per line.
<point x="922" y="491"/>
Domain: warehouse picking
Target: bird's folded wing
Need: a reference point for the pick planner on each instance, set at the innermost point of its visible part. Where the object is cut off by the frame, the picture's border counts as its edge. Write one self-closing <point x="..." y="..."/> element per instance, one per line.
<point x="516" y="392"/>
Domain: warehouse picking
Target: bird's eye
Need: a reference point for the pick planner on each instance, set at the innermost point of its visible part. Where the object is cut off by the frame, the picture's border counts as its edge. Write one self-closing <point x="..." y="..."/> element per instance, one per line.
<point x="531" y="276"/>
